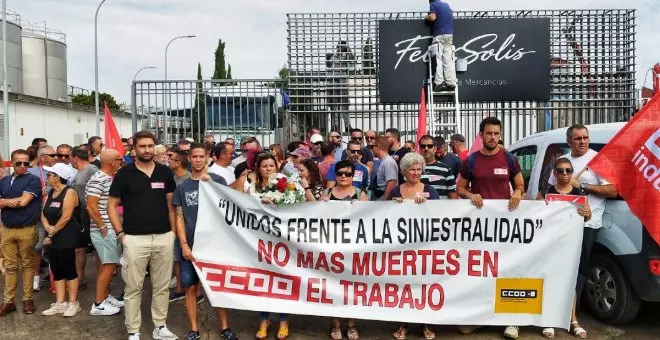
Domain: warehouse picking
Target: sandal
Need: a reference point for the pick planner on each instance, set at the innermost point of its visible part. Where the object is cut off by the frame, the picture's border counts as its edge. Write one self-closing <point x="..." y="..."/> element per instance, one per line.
<point x="548" y="333"/>
<point x="578" y="331"/>
<point x="352" y="333"/>
<point x="401" y="333"/>
<point x="335" y="333"/>
<point x="262" y="333"/>
<point x="427" y="333"/>
<point x="283" y="333"/>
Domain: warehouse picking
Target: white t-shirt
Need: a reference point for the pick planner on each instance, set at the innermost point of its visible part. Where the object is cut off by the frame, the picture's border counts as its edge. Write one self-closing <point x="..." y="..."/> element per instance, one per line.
<point x="226" y="173"/>
<point x="596" y="203"/>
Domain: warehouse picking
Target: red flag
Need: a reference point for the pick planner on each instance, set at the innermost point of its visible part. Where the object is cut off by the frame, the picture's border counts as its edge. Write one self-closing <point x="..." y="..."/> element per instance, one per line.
<point x="421" y="118"/>
<point x="112" y="136"/>
<point x="477" y="144"/>
<point x="631" y="162"/>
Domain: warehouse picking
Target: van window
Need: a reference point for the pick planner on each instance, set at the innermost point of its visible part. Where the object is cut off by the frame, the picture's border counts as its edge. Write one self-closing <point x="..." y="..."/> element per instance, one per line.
<point x="526" y="156"/>
<point x="553" y="152"/>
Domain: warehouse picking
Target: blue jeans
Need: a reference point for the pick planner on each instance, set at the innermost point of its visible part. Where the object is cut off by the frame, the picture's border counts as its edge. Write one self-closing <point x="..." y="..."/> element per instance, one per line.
<point x="189" y="276"/>
<point x="265" y="315"/>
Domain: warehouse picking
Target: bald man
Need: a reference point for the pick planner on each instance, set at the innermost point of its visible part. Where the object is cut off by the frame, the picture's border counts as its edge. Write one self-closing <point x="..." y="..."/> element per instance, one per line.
<point x="102" y="235"/>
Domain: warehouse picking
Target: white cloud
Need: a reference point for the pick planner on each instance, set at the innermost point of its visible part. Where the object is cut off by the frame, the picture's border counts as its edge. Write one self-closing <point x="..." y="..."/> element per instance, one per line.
<point x="133" y="34"/>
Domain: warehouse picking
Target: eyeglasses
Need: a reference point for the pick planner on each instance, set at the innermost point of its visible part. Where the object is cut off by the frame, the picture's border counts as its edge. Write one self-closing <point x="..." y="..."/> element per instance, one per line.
<point x="59" y="155"/>
<point x="318" y="143"/>
<point x="25" y="164"/>
<point x="344" y="174"/>
<point x="426" y="146"/>
<point x="53" y="155"/>
<point x="359" y="139"/>
<point x="355" y="152"/>
<point x="564" y="170"/>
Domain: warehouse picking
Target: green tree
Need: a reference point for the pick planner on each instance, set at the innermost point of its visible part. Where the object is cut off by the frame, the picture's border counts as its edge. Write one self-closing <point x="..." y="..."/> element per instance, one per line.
<point x="220" y="71"/>
<point x="89" y="100"/>
<point x="199" y="116"/>
<point x="229" y="72"/>
<point x="283" y="75"/>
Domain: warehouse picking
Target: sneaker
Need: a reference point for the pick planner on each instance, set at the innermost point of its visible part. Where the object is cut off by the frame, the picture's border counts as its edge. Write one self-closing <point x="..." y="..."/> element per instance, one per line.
<point x="55" y="308"/>
<point x="192" y="335"/>
<point x="162" y="333"/>
<point x="104" y="309"/>
<point x="228" y="334"/>
<point x="135" y="336"/>
<point x="200" y="299"/>
<point x="511" y="332"/>
<point x="72" y="309"/>
<point x="36" y="284"/>
<point x="173" y="282"/>
<point x="174" y="296"/>
<point x="115" y="302"/>
<point x="467" y="329"/>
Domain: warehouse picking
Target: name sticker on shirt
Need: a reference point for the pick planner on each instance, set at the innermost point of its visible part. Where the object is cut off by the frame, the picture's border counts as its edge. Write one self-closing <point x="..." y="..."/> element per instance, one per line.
<point x="55" y="204"/>
<point x="434" y="178"/>
<point x="358" y="176"/>
<point x="424" y="194"/>
<point x="157" y="185"/>
<point x="501" y="171"/>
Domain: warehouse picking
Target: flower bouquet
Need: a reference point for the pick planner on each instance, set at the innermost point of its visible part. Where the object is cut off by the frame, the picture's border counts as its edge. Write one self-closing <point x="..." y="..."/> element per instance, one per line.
<point x="283" y="189"/>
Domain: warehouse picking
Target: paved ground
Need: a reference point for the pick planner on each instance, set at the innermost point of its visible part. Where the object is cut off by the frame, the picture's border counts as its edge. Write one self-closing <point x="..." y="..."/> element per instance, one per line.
<point x="83" y="326"/>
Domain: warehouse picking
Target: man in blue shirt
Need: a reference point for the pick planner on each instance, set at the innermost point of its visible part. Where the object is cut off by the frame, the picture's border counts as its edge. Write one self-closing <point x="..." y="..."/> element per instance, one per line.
<point x="20" y="201"/>
<point x="361" y="174"/>
<point x="441" y="18"/>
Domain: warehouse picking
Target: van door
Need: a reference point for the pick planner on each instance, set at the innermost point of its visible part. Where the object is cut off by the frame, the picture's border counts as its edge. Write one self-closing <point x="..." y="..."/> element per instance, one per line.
<point x="526" y="157"/>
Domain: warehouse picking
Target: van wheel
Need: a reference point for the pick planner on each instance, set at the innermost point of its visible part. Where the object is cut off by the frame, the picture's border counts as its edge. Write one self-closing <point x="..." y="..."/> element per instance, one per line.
<point x="609" y="294"/>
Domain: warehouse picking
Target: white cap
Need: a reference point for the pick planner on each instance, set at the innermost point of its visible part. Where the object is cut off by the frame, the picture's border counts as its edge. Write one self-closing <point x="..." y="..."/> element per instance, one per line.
<point x="315" y="138"/>
<point x="190" y="139"/>
<point x="60" y="169"/>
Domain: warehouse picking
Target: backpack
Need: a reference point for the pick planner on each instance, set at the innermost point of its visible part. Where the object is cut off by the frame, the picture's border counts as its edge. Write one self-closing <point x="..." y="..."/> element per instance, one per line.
<point x="510" y="160"/>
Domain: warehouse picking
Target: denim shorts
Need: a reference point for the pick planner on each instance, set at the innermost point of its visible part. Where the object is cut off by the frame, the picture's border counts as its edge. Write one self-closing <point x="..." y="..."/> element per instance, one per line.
<point x="189" y="276"/>
<point x="106" y="247"/>
<point x="177" y="250"/>
<point x="41" y="231"/>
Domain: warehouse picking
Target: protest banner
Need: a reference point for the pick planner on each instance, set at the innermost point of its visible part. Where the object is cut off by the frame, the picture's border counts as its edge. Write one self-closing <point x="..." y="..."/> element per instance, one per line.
<point x="440" y="262"/>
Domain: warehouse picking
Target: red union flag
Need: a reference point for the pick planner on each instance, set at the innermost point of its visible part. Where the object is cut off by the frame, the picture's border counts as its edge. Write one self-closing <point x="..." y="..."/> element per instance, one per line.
<point x="631" y="162"/>
<point x="112" y="136"/>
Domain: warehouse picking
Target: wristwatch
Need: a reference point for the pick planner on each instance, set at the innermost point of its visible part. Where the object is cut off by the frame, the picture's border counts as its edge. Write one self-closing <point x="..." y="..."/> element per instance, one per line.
<point x="583" y="186"/>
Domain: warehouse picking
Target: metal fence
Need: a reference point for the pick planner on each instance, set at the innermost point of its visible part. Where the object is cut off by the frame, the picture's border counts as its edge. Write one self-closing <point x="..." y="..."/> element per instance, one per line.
<point x="177" y="109"/>
<point x="333" y="61"/>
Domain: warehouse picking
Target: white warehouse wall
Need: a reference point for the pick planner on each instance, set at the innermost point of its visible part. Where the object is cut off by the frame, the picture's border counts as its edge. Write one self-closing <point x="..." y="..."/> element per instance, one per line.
<point x="58" y="123"/>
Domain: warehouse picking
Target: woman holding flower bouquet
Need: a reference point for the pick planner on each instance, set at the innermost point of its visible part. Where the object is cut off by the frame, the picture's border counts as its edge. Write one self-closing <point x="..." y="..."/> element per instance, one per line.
<point x="310" y="177"/>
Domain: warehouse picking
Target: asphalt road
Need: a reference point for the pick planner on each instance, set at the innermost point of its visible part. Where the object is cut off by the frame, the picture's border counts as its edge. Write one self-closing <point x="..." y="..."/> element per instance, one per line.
<point x="245" y="323"/>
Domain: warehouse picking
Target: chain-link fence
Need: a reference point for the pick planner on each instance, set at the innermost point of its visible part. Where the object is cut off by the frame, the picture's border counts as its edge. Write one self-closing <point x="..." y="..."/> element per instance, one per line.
<point x="333" y="60"/>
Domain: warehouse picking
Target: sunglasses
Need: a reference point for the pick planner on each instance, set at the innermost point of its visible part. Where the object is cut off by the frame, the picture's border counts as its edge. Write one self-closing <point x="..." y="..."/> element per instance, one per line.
<point x="318" y="143"/>
<point x="564" y="170"/>
<point x="355" y="152"/>
<point x="359" y="139"/>
<point x="344" y="174"/>
<point x="426" y="146"/>
<point x="59" y="155"/>
<point x="25" y="164"/>
<point x="53" y="155"/>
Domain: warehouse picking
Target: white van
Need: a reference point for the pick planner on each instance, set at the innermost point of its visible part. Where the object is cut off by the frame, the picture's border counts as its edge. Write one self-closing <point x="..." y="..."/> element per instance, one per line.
<point x="625" y="260"/>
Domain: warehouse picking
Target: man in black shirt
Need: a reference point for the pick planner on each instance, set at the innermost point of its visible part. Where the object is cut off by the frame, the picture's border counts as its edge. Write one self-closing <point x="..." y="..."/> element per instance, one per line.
<point x="145" y="190"/>
<point x="396" y="150"/>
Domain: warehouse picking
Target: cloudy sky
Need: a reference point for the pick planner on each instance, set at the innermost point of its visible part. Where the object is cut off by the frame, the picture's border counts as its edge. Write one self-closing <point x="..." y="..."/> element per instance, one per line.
<point x="133" y="33"/>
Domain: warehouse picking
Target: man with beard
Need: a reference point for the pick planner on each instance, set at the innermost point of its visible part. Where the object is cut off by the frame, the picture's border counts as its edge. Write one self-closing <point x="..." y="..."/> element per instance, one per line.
<point x="361" y="173"/>
<point x="489" y="172"/>
<point x="145" y="189"/>
<point x="186" y="201"/>
<point x="450" y="159"/>
<point x="436" y="173"/>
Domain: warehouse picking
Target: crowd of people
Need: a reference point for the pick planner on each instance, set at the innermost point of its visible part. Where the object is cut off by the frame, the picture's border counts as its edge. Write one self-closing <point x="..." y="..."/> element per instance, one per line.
<point x="138" y="211"/>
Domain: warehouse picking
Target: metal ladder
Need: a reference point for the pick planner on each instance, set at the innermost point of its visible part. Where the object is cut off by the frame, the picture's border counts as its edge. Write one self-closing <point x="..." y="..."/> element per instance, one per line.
<point x="440" y="121"/>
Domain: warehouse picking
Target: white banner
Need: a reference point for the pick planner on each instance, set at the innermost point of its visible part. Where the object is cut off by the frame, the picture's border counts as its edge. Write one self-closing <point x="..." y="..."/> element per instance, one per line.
<point x="441" y="262"/>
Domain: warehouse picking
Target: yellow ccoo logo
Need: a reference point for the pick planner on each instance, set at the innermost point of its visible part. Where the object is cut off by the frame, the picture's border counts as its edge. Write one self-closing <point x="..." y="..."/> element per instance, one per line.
<point x="519" y="296"/>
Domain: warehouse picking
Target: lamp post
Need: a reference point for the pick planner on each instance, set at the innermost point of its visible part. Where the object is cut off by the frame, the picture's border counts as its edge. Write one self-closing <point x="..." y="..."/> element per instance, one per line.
<point x="134" y="99"/>
<point x="167" y="102"/>
<point x="96" y="70"/>
<point x="5" y="85"/>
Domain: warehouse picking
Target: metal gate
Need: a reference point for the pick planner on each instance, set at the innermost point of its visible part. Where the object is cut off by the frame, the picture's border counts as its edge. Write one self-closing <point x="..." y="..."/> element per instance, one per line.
<point x="334" y="65"/>
<point x="177" y="109"/>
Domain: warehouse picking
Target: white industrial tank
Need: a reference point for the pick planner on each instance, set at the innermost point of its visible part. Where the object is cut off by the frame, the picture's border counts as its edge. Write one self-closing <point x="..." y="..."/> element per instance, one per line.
<point x="44" y="63"/>
<point x="14" y="53"/>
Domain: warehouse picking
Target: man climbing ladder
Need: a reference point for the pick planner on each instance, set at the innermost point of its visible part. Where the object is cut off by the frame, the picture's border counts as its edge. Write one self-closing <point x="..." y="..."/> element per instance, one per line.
<point x="441" y="18"/>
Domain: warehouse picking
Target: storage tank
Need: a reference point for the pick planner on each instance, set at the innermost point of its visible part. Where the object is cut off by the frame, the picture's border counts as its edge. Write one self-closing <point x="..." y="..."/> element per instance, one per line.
<point x="14" y="53"/>
<point x="44" y="63"/>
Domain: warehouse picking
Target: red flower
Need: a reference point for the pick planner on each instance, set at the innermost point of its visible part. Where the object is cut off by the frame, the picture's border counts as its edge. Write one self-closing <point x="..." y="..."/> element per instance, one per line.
<point x="281" y="185"/>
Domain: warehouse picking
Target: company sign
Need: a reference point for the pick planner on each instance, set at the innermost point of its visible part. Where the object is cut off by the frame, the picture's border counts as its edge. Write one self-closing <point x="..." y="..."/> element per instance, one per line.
<point x="508" y="59"/>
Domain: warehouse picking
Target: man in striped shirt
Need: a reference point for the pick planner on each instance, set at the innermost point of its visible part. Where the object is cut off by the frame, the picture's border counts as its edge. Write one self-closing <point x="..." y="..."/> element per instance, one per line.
<point x="436" y="174"/>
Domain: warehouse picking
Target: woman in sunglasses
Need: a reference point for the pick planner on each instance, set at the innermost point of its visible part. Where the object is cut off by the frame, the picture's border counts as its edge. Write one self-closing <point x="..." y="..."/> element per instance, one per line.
<point x="563" y="171"/>
<point x="413" y="190"/>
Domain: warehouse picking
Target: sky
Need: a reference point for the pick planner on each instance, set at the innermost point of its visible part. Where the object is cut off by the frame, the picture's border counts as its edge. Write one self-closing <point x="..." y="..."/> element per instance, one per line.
<point x="133" y="33"/>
